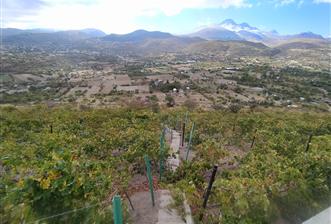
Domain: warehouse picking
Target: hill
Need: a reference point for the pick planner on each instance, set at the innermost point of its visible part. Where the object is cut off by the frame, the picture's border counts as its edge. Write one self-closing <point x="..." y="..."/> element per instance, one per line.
<point x="229" y="48"/>
<point x="155" y="43"/>
<point x="137" y="36"/>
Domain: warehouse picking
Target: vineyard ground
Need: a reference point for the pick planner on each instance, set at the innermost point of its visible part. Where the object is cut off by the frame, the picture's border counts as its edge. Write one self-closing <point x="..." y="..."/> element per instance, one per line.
<point x="162" y="212"/>
<point x="65" y="164"/>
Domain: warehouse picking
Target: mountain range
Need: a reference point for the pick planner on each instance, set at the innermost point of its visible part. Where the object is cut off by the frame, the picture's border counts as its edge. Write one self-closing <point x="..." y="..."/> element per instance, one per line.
<point x="228" y="30"/>
<point x="228" y="38"/>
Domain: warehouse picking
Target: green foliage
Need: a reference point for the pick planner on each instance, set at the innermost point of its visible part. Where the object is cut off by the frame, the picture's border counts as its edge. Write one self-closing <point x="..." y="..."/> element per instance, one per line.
<point x="89" y="155"/>
<point x="276" y="178"/>
<point x="170" y="100"/>
<point x="248" y="199"/>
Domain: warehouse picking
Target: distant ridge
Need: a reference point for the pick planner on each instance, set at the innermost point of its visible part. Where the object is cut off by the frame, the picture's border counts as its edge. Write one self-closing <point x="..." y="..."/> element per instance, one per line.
<point x="227" y="36"/>
<point x="137" y="36"/>
<point x="89" y="32"/>
<point x="13" y="31"/>
<point x="44" y="38"/>
<point x="308" y="35"/>
<point x="227" y="30"/>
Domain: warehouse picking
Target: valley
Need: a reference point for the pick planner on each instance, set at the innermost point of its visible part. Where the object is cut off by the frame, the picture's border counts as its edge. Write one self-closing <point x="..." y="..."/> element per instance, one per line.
<point x="155" y="68"/>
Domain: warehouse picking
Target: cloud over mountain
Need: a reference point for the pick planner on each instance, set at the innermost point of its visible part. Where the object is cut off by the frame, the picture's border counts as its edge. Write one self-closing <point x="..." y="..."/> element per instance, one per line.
<point x="230" y="30"/>
<point x="123" y="16"/>
<point x="105" y="14"/>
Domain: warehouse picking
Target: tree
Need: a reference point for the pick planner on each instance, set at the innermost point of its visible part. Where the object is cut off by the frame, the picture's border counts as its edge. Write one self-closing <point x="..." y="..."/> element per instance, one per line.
<point x="234" y="108"/>
<point x="170" y="101"/>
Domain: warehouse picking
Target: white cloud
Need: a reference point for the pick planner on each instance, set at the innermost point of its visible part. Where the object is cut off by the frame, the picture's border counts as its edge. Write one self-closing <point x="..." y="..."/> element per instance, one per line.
<point x="283" y="2"/>
<point x="301" y="3"/>
<point x="108" y="15"/>
<point x="322" y="1"/>
<point x="279" y="3"/>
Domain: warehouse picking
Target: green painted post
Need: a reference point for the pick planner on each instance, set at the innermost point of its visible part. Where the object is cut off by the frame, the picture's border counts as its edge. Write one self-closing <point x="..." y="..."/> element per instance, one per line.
<point x="161" y="152"/>
<point x="117" y="210"/>
<point x="190" y="141"/>
<point x="150" y="179"/>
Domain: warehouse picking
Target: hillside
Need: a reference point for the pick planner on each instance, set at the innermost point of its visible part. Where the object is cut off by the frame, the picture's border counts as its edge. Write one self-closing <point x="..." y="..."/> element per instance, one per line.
<point x="229" y="48"/>
<point x="64" y="164"/>
<point x="47" y="40"/>
<point x="137" y="36"/>
<point x="139" y="42"/>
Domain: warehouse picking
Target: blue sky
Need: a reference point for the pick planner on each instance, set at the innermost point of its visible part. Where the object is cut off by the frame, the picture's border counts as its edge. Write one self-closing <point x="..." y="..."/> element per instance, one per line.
<point x="175" y="16"/>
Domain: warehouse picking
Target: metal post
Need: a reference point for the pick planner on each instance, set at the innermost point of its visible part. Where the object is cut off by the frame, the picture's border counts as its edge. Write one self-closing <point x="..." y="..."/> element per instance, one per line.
<point x="190" y="141"/>
<point x="253" y="141"/>
<point x="210" y="185"/>
<point x="51" y="127"/>
<point x="183" y="135"/>
<point x="117" y="210"/>
<point x="150" y="179"/>
<point x="127" y="196"/>
<point x="309" y="140"/>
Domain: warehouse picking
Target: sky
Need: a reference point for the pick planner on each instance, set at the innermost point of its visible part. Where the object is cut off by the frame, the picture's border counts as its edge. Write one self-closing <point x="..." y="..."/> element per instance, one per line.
<point x="174" y="16"/>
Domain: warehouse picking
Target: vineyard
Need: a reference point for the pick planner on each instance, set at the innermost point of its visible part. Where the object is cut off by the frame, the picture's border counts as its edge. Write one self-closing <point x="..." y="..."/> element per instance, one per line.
<point x="64" y="165"/>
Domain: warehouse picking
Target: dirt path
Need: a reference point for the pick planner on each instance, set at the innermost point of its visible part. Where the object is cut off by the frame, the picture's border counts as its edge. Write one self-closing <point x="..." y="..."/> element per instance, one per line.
<point x="166" y="214"/>
<point x="162" y="212"/>
<point x="144" y="212"/>
<point x="174" y="160"/>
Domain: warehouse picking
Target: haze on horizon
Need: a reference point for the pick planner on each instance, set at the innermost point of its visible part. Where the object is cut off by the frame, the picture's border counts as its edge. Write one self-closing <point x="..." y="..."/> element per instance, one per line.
<point x="110" y="16"/>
